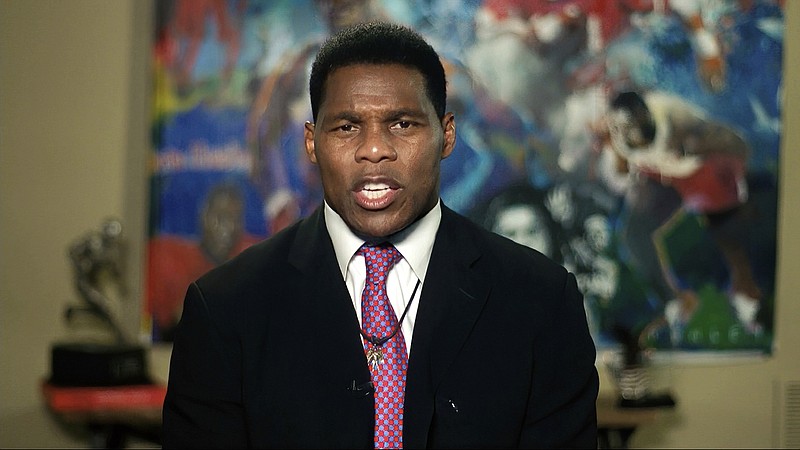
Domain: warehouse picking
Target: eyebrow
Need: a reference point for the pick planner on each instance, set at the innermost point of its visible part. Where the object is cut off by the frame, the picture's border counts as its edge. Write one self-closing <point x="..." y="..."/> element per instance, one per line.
<point x="400" y="113"/>
<point x="348" y="116"/>
<point x="351" y="116"/>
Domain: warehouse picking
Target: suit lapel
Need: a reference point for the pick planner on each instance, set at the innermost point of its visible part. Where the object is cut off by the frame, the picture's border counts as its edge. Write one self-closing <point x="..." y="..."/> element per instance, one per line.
<point x="312" y="247"/>
<point x="313" y="254"/>
<point x="452" y="299"/>
<point x="450" y="302"/>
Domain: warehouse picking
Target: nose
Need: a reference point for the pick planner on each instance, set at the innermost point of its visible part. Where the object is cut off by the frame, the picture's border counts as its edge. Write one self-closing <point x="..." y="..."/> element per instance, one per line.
<point x="375" y="146"/>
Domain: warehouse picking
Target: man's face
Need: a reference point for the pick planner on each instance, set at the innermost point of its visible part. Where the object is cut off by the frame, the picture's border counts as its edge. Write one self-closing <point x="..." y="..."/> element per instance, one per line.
<point x="378" y="144"/>
<point x="597" y="232"/>
<point x="624" y="126"/>
<point x="524" y="225"/>
<point x="222" y="226"/>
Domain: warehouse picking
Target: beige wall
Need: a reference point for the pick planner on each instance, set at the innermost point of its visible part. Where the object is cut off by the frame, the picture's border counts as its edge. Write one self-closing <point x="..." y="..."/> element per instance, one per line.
<point x="69" y="127"/>
<point x="72" y="139"/>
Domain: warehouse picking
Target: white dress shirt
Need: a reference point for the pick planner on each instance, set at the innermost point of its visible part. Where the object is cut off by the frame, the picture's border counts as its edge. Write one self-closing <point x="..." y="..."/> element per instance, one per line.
<point x="414" y="243"/>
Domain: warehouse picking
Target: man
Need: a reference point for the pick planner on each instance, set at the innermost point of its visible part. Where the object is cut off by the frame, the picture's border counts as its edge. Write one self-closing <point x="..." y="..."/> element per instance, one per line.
<point x="485" y="343"/>
<point x="176" y="261"/>
<point x="675" y="143"/>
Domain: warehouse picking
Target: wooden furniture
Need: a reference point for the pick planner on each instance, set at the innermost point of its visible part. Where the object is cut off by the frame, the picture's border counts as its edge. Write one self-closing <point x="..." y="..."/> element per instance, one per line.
<point x="616" y="425"/>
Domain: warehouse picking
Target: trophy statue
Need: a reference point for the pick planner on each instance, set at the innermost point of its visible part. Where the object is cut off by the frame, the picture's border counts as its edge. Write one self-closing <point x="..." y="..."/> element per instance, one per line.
<point x="631" y="375"/>
<point x="99" y="352"/>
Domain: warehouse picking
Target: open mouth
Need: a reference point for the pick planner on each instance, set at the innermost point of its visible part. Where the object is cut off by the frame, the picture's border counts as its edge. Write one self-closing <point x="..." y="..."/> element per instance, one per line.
<point x="375" y="191"/>
<point x="375" y="195"/>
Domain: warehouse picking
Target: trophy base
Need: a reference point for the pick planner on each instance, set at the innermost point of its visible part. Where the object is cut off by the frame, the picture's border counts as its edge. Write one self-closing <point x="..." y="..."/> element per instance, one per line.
<point x="661" y="400"/>
<point x="92" y="364"/>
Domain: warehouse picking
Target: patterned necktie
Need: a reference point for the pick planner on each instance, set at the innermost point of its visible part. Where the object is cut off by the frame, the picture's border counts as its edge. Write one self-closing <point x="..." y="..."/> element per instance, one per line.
<point x="385" y="346"/>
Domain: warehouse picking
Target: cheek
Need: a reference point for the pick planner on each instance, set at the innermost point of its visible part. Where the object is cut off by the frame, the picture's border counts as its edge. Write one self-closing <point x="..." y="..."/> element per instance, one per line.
<point x="333" y="172"/>
<point x="429" y="161"/>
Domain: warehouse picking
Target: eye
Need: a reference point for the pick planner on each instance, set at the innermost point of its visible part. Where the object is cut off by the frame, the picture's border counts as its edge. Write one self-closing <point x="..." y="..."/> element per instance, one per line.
<point x="403" y="125"/>
<point x="346" y="127"/>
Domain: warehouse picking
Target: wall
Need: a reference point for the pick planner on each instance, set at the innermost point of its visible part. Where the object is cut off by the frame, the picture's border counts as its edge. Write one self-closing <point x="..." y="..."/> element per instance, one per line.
<point x="73" y="135"/>
<point x="68" y="116"/>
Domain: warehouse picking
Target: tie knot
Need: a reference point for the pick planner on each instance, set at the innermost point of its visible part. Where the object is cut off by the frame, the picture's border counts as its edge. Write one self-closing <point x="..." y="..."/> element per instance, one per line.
<point x="380" y="257"/>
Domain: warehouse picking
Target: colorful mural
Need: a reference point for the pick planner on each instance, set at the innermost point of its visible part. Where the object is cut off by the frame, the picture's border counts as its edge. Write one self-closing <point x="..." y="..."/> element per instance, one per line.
<point x="634" y="141"/>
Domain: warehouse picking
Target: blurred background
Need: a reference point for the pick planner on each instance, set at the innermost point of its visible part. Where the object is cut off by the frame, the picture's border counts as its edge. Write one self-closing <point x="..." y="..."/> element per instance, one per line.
<point x="75" y="99"/>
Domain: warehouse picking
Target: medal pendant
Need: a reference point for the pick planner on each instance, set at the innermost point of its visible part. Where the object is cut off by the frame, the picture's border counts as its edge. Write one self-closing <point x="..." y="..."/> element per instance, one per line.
<point x="374" y="357"/>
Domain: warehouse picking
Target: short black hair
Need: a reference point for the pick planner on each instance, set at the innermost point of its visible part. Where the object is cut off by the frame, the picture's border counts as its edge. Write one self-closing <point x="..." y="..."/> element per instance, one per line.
<point x="379" y="43"/>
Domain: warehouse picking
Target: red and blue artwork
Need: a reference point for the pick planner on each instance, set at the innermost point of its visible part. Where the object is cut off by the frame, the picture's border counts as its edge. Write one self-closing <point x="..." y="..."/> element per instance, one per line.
<point x="636" y="142"/>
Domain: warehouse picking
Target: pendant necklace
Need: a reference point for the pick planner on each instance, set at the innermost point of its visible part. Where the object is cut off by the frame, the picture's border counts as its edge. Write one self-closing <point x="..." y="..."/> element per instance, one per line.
<point x="375" y="351"/>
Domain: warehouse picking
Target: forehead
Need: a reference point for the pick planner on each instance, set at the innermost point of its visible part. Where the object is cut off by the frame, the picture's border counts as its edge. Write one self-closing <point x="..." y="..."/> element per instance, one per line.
<point x="518" y="214"/>
<point x="373" y="79"/>
<point x="596" y="222"/>
<point x="224" y="199"/>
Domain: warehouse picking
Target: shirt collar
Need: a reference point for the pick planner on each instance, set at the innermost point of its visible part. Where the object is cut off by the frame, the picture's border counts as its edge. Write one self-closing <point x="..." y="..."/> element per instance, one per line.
<point x="415" y="242"/>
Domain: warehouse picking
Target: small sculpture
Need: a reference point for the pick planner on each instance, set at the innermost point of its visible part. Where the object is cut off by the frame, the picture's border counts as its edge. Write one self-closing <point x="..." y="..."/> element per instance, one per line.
<point x="97" y="260"/>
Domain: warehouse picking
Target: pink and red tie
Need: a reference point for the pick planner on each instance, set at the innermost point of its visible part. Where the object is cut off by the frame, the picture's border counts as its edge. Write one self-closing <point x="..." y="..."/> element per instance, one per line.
<point x="379" y="321"/>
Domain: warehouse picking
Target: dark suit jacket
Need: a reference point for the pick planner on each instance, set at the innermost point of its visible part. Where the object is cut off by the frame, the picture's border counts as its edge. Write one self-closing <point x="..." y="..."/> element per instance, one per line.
<point x="268" y="351"/>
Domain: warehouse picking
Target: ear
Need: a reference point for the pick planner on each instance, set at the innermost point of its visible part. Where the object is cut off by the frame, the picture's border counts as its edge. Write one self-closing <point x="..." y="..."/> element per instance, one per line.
<point x="449" y="127"/>
<point x="308" y="138"/>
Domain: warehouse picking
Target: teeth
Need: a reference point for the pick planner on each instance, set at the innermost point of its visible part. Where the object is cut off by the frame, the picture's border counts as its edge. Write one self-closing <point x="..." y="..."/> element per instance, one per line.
<point x="372" y="195"/>
<point x="376" y="186"/>
<point x="374" y="190"/>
